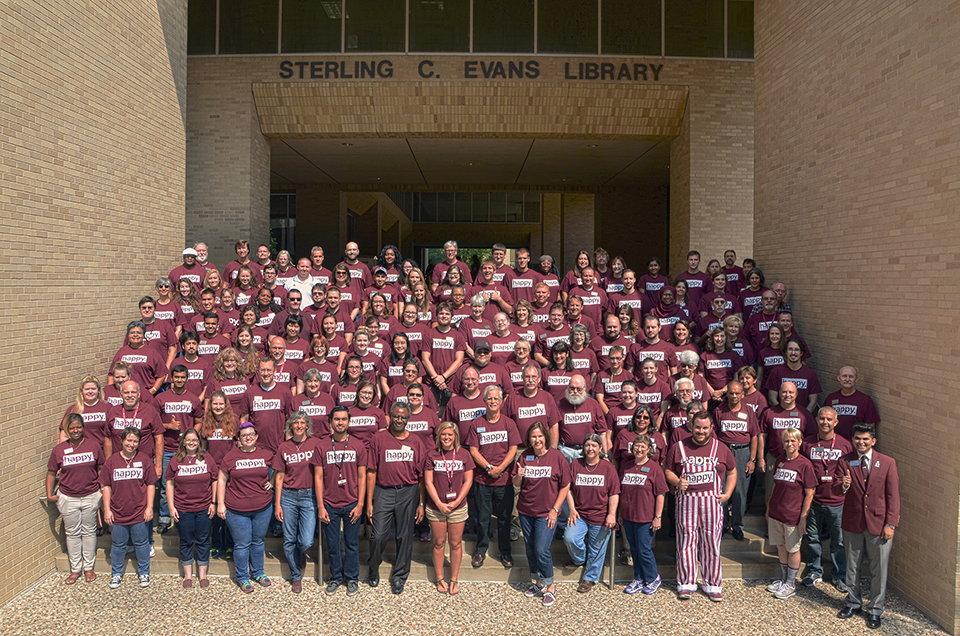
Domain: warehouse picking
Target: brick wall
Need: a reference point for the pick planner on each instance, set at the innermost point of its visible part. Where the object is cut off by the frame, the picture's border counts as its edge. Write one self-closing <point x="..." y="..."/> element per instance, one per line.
<point x="857" y="210"/>
<point x="91" y="197"/>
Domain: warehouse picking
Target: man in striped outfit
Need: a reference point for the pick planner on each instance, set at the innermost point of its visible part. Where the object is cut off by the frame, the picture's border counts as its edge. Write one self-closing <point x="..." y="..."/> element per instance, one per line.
<point x="694" y="468"/>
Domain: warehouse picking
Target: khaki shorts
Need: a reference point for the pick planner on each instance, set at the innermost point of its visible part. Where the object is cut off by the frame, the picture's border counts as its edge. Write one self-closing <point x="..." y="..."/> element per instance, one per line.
<point x="457" y="516"/>
<point x="782" y="534"/>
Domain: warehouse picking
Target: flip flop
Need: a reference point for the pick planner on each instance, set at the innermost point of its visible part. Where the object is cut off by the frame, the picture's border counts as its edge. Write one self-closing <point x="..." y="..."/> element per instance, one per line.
<point x="442" y="586"/>
<point x="454" y="587"/>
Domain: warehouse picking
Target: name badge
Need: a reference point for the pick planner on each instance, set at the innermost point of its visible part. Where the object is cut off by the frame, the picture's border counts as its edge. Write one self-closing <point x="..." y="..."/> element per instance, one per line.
<point x="341" y="482"/>
<point x="742" y="416"/>
<point x="531" y="458"/>
<point x="451" y="495"/>
<point x="137" y="464"/>
<point x="644" y="469"/>
<point x="855" y="462"/>
<point x="404" y="449"/>
<point x="826" y="478"/>
<point x="794" y="413"/>
<point x="481" y="429"/>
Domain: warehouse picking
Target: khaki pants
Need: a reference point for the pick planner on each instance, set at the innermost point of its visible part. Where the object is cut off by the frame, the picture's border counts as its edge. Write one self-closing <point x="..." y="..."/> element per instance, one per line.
<point x="80" y="524"/>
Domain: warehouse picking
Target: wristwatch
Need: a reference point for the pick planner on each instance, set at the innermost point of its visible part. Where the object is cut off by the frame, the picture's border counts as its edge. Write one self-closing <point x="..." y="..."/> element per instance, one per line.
<point x="489" y="467"/>
<point x="658" y="516"/>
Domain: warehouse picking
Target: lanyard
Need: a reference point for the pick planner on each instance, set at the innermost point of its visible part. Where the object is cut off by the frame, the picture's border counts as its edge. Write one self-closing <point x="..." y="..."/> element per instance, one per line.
<point x="346" y="444"/>
<point x="448" y="467"/>
<point x="133" y="420"/>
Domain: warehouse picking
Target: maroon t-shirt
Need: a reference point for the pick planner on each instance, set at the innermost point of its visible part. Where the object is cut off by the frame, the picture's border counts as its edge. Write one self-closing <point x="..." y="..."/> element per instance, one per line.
<point x="493" y="440"/>
<point x="549" y="337"/>
<point x="295" y="461"/>
<point x="285" y="375"/>
<point x="850" y="410"/>
<point x="601" y="348"/>
<point x="192" y="482"/>
<point x="210" y="347"/>
<point x="491" y="375"/>
<point x="448" y="470"/>
<point x="757" y="326"/>
<point x="319" y="409"/>
<point x="735" y="428"/>
<point x="218" y="446"/>
<point x="473" y="330"/>
<point x="95" y="425"/>
<point x="327" y="370"/>
<point x="397" y="462"/>
<point x="619" y="417"/>
<point x="169" y="313"/>
<point x="128" y="482"/>
<point x="145" y="417"/>
<point x="248" y="474"/>
<point x="824" y="455"/>
<point x="557" y="381"/>
<point x="525" y="411"/>
<point x="570" y="280"/>
<point x="541" y="315"/>
<point x="161" y="334"/>
<point x="78" y="466"/>
<point x="268" y="410"/>
<point x="805" y="378"/>
<point x="365" y="423"/>
<point x="775" y="419"/>
<point x="585" y="361"/>
<point x="340" y="462"/>
<point x="233" y="389"/>
<point x="705" y="467"/>
<point x="146" y="364"/>
<point x="416" y="336"/>
<point x="553" y="282"/>
<point x="653" y="395"/>
<point x="440" y="270"/>
<point x="639" y="488"/>
<point x="674" y="419"/>
<point x="424" y="425"/>
<point x="501" y="347"/>
<point x="756" y="401"/>
<point x="608" y="386"/>
<point x="719" y="368"/>
<point x="515" y="369"/>
<point x="393" y="372"/>
<point x="344" y="395"/>
<point x="790" y="478"/>
<point x="623" y="446"/>
<point x="637" y="300"/>
<point x="594" y="302"/>
<point x="522" y="286"/>
<point x="198" y="372"/>
<point x="576" y="422"/>
<point x="462" y="410"/>
<point x="661" y="351"/>
<point x="443" y="348"/>
<point x="592" y="487"/>
<point x="194" y="274"/>
<point x="337" y="344"/>
<point x="298" y="350"/>
<point x="184" y="408"/>
<point x="731" y="307"/>
<point x="543" y="479"/>
<point x="697" y="285"/>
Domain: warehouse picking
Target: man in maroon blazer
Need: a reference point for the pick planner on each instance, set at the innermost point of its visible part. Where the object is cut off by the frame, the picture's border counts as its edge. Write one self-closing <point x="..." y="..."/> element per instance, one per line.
<point x="871" y="514"/>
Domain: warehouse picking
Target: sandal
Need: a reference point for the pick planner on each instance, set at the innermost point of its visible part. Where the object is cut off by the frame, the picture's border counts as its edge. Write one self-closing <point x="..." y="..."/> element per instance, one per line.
<point x="72" y="578"/>
<point x="442" y="586"/>
<point x="90" y="576"/>
<point x="454" y="587"/>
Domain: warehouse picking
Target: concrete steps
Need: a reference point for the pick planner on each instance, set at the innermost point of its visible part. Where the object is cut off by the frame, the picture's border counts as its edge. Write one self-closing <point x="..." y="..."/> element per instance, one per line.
<point x="752" y="558"/>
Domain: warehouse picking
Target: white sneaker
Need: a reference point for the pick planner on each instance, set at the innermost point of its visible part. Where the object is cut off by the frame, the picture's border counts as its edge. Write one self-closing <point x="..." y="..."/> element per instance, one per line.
<point x="785" y="591"/>
<point x="115" y="581"/>
<point x="153" y="552"/>
<point x="144" y="580"/>
<point x="774" y="587"/>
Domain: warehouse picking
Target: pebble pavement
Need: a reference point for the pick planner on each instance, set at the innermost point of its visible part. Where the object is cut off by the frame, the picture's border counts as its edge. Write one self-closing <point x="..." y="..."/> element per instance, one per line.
<point x="480" y="608"/>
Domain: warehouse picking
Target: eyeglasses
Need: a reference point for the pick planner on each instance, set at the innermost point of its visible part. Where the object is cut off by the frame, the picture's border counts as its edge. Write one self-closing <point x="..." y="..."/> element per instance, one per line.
<point x="577" y="389"/>
<point x="242" y="435"/>
<point x="294" y="300"/>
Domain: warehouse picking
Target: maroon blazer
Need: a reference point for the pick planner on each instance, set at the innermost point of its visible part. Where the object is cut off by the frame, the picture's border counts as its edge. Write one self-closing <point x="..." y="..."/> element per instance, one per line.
<point x="870" y="503"/>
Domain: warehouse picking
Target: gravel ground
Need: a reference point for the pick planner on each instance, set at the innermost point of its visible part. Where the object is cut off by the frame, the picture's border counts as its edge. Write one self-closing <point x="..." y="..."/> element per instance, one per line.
<point x="480" y="608"/>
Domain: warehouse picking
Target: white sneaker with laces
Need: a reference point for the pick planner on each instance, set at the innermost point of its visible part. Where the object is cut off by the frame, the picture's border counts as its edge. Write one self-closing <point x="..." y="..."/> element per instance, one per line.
<point x="774" y="587"/>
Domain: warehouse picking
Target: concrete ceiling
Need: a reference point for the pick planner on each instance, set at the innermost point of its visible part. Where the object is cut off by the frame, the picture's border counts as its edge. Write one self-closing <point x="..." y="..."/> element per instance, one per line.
<point x="427" y="162"/>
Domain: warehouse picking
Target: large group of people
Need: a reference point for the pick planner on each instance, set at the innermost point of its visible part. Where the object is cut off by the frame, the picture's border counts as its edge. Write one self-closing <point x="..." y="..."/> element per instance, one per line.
<point x="510" y="400"/>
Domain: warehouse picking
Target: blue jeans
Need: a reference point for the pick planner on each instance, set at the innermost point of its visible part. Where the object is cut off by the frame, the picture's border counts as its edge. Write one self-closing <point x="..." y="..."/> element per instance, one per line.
<point x="248" y="530"/>
<point x="299" y="522"/>
<point x="828" y="517"/>
<point x="194" y="529"/>
<point x="164" y="508"/>
<point x="640" y="538"/>
<point x="587" y="544"/>
<point x="538" y="537"/>
<point x="139" y="533"/>
<point x="347" y="568"/>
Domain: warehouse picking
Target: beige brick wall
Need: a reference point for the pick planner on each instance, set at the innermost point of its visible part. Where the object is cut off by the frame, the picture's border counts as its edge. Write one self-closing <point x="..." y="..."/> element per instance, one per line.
<point x="91" y="197"/>
<point x="857" y="210"/>
<point x="711" y="165"/>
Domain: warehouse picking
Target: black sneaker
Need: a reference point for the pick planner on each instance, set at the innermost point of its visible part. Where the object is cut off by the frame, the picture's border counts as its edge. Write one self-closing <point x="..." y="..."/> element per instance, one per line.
<point x="332" y="588"/>
<point x="352" y="588"/>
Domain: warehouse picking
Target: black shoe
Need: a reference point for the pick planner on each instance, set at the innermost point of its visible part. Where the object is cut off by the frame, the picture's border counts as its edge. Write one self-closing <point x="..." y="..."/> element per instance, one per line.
<point x="374" y="579"/>
<point x="163" y="528"/>
<point x="873" y="621"/>
<point x="396" y="587"/>
<point x="848" y="612"/>
<point x="738" y="534"/>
